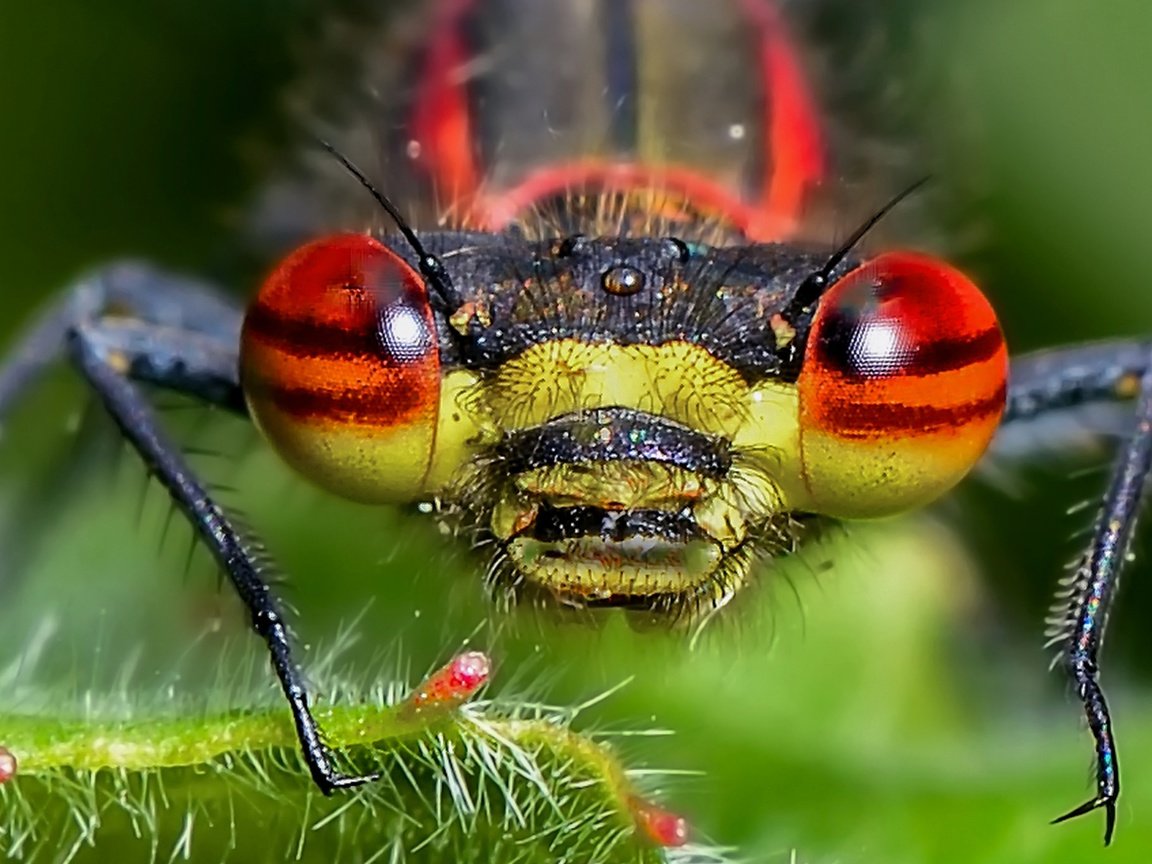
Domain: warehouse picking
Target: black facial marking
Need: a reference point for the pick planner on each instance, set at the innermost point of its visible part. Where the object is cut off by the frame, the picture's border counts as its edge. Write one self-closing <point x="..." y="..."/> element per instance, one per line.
<point x="614" y="434"/>
<point x="554" y="524"/>
<point x="723" y="299"/>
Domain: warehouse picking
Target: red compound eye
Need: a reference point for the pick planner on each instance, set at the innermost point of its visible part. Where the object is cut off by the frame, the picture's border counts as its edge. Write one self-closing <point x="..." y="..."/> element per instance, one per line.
<point x="902" y="387"/>
<point x="341" y="367"/>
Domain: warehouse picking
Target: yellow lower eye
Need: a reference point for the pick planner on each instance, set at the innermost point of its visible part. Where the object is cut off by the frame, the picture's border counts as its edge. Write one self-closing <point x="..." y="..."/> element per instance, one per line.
<point x="902" y="386"/>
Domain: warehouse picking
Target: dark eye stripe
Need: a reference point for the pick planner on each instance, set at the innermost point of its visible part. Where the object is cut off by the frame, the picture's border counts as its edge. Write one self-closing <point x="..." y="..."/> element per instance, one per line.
<point x="884" y="420"/>
<point x="947" y="355"/>
<point x="387" y="406"/>
<point x="843" y="350"/>
<point x="307" y="339"/>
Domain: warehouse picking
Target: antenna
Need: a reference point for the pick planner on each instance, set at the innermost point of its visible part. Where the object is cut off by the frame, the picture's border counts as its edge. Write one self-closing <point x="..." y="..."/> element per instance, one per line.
<point x="814" y="286"/>
<point x="431" y="267"/>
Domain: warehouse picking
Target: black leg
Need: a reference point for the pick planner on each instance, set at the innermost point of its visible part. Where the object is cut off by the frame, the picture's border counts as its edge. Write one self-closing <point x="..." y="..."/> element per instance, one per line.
<point x="186" y="336"/>
<point x="1057" y="380"/>
<point x="1064" y="378"/>
<point x="184" y="361"/>
<point x="121" y="292"/>
<point x="134" y="323"/>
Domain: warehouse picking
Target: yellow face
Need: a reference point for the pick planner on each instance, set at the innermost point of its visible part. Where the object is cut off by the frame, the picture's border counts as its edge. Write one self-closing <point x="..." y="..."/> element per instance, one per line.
<point x="629" y="423"/>
<point x="708" y="513"/>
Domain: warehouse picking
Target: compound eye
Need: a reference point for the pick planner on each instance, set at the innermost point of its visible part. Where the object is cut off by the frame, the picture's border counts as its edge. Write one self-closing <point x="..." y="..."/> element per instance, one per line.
<point x="340" y="364"/>
<point x="902" y="386"/>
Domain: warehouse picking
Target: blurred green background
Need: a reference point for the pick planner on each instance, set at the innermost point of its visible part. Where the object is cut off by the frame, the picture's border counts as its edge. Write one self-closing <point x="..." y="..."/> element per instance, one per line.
<point x="899" y="712"/>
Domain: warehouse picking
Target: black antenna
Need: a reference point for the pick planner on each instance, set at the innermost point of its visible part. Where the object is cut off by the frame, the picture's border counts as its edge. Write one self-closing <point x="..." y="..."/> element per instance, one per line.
<point x="815" y="285"/>
<point x="431" y="268"/>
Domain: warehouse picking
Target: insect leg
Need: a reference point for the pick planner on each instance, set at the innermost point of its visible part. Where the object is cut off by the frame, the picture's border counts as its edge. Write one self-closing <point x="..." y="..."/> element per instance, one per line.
<point x="133" y="323"/>
<point x="1060" y="379"/>
<point x="128" y="290"/>
<point x="184" y="361"/>
<point x="137" y="422"/>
